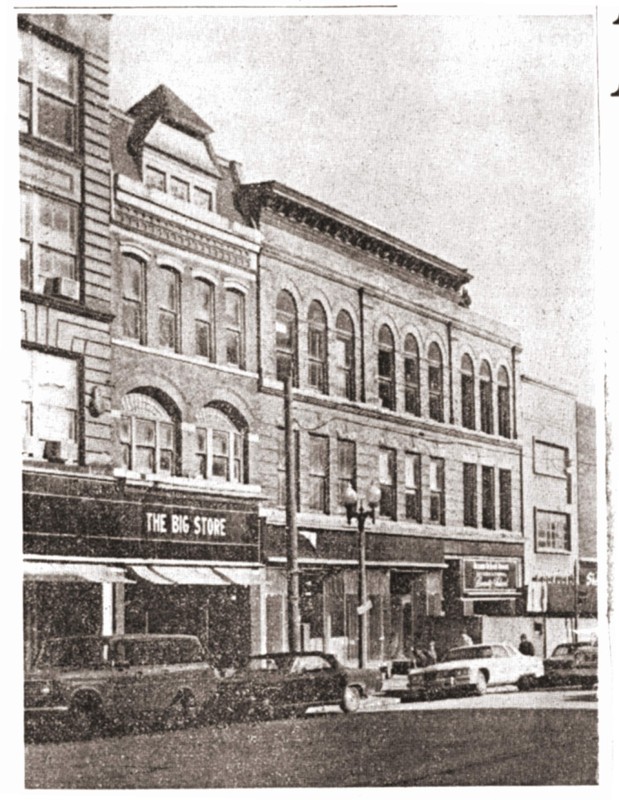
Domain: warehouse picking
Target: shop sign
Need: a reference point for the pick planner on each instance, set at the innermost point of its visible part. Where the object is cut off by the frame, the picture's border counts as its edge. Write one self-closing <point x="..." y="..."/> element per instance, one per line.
<point x="196" y="525"/>
<point x="489" y="576"/>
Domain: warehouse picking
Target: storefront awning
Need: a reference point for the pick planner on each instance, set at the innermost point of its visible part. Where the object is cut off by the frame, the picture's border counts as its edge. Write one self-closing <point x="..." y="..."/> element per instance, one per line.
<point x="205" y="576"/>
<point x="93" y="573"/>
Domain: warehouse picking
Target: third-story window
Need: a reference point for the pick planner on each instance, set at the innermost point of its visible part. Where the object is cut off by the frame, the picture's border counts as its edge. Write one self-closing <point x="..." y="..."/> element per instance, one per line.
<point x="505" y="499"/>
<point x="317" y="347"/>
<point x="469" y="479"/>
<point x="467" y="384"/>
<point x="412" y="396"/>
<point x="235" y="328"/>
<point x="346" y="467"/>
<point x="47" y="91"/>
<point x="386" y="368"/>
<point x="435" y="382"/>
<point x="412" y="486"/>
<point x="437" y="490"/>
<point x="345" y="356"/>
<point x="133" y="298"/>
<point x="487" y="498"/>
<point x="319" y="473"/>
<point x="485" y="398"/>
<point x="286" y="337"/>
<point x="387" y="480"/>
<point x="168" y="294"/>
<point x="203" y="304"/>
<point x="504" y="404"/>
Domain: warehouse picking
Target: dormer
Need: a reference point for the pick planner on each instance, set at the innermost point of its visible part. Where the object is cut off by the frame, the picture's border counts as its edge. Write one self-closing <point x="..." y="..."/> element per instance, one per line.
<point x="171" y="147"/>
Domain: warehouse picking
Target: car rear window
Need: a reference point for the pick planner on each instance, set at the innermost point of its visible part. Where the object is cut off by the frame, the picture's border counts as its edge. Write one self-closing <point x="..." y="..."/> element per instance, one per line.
<point x="157" y="652"/>
<point x="468" y="653"/>
<point x="86" y="653"/>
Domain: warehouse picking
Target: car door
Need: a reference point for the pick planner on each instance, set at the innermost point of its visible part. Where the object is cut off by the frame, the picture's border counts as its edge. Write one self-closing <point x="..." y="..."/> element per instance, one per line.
<point x="503" y="669"/>
<point x="136" y="678"/>
<point x="314" y="680"/>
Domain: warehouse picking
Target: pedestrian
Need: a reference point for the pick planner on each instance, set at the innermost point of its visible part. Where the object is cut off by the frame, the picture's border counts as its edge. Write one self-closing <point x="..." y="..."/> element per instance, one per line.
<point x="431" y="656"/>
<point x="465" y="640"/>
<point x="525" y="646"/>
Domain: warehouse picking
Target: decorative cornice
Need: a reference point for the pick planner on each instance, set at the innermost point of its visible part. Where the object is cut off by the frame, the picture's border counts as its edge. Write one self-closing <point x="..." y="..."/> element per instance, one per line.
<point x="180" y="236"/>
<point x="300" y="210"/>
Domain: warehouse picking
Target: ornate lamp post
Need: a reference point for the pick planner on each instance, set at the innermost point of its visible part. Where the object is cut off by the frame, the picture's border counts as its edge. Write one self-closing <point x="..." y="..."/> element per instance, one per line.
<point x="355" y="510"/>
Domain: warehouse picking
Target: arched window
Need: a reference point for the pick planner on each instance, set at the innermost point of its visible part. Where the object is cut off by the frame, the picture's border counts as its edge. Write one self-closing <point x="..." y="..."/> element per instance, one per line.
<point x="220" y="446"/>
<point x="148" y="434"/>
<point x="412" y="397"/>
<point x="133" y="306"/>
<point x="503" y="403"/>
<point x="286" y="337"/>
<point x="317" y="347"/>
<point x="345" y="356"/>
<point x="435" y="382"/>
<point x="204" y="300"/>
<point x="167" y="293"/>
<point x="386" y="368"/>
<point x="467" y="385"/>
<point x="485" y="397"/>
<point x="235" y="328"/>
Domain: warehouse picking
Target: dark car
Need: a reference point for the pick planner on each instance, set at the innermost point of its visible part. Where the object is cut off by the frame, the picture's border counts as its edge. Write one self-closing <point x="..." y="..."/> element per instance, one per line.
<point x="277" y="684"/>
<point x="94" y="681"/>
<point x="572" y="664"/>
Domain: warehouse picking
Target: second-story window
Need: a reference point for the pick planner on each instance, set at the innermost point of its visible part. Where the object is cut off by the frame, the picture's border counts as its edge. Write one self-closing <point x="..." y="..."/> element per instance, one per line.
<point x="235" y="328"/>
<point x="505" y="499"/>
<point x="47" y="91"/>
<point x="467" y="385"/>
<point x="345" y="356"/>
<point x="317" y="347"/>
<point x="203" y="304"/>
<point x="437" y="490"/>
<point x="412" y="486"/>
<point x="487" y="498"/>
<point x="485" y="398"/>
<point x="412" y="395"/>
<point x="147" y="435"/>
<point x="470" y="494"/>
<point x="435" y="382"/>
<point x="286" y="337"/>
<point x="388" y="480"/>
<point x="319" y="473"/>
<point x="386" y="368"/>
<point x="346" y="467"/>
<point x="220" y="447"/>
<point x="133" y="277"/>
<point x="167" y="280"/>
<point x="503" y="404"/>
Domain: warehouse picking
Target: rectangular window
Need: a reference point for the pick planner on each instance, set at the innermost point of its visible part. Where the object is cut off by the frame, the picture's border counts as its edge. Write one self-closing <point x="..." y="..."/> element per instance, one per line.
<point x="147" y="445"/>
<point x="469" y="480"/>
<point x="412" y="400"/>
<point x="179" y="188"/>
<point x="388" y="482"/>
<point x="468" y="401"/>
<point x="346" y="467"/>
<point x="220" y="454"/>
<point x="505" y="499"/>
<point x="49" y="239"/>
<point x="281" y="469"/>
<point x="487" y="498"/>
<point x="155" y="178"/>
<point x="319" y="473"/>
<point x="412" y="486"/>
<point x="47" y="91"/>
<point x="235" y="328"/>
<point x="550" y="459"/>
<point x="552" y="532"/>
<point x="133" y="298"/>
<point x="203" y="304"/>
<point x="386" y="387"/>
<point x="168" y="308"/>
<point x="202" y="198"/>
<point x="437" y="490"/>
<point x="50" y="401"/>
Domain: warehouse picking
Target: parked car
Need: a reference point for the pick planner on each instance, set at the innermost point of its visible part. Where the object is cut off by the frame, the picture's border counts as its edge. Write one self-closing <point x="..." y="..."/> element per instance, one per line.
<point x="473" y="669"/>
<point x="277" y="684"/>
<point x="572" y="663"/>
<point x="94" y="681"/>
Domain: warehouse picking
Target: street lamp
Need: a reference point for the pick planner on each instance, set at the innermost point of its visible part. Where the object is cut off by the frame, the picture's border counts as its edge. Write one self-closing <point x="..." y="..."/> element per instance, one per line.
<point x="354" y="509"/>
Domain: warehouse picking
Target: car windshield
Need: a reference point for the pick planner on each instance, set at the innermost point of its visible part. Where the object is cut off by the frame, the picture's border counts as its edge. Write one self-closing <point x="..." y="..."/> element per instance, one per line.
<point x="564" y="650"/>
<point x="78" y="653"/>
<point x="468" y="653"/>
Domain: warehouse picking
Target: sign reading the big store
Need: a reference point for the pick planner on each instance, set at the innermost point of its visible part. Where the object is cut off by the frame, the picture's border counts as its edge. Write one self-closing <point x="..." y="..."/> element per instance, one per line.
<point x="489" y="576"/>
<point x="199" y="525"/>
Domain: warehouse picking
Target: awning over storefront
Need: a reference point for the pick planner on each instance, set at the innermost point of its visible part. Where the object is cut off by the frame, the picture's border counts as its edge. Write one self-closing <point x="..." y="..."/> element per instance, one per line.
<point x="205" y="576"/>
<point x="93" y="573"/>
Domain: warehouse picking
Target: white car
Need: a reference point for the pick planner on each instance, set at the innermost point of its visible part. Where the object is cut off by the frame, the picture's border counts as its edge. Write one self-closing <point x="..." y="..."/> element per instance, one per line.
<point x="474" y="668"/>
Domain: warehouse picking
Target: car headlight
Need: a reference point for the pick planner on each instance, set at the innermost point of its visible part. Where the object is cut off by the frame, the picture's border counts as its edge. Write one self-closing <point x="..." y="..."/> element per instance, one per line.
<point x="463" y="672"/>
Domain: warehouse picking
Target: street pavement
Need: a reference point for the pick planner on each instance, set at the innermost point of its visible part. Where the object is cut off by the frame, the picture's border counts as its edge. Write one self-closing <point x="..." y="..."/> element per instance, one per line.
<point x="502" y="738"/>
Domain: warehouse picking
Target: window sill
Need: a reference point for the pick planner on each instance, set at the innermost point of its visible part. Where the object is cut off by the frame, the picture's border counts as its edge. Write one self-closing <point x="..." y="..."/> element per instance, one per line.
<point x="62" y="304"/>
<point x="201" y="361"/>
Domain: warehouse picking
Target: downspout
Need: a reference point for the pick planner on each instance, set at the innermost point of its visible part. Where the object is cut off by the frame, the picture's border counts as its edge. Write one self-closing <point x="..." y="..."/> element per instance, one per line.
<point x="361" y="293"/>
<point x="451" y="386"/>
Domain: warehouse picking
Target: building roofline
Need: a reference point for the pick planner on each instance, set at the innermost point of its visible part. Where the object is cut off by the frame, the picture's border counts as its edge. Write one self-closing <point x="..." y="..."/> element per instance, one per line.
<point x="546" y="385"/>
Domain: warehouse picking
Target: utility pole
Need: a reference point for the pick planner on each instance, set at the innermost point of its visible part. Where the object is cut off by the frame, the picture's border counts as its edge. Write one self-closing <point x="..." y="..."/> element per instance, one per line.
<point x="294" y="614"/>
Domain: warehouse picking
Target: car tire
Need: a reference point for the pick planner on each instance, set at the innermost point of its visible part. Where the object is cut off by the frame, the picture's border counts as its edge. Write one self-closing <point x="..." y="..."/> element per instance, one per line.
<point x="351" y="699"/>
<point x="85" y="718"/>
<point x="183" y="711"/>
<point x="481" y="683"/>
<point x="526" y="683"/>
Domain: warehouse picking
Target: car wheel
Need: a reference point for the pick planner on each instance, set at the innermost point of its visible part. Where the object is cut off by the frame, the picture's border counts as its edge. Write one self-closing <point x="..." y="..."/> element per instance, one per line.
<point x="351" y="699"/>
<point x="481" y="683"/>
<point x="183" y="711"/>
<point x="85" y="718"/>
<point x="526" y="683"/>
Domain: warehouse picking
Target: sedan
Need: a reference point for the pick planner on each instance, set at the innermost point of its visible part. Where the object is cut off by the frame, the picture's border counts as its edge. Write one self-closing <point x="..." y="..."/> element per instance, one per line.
<point x="574" y="664"/>
<point x="277" y="684"/>
<point x="473" y="669"/>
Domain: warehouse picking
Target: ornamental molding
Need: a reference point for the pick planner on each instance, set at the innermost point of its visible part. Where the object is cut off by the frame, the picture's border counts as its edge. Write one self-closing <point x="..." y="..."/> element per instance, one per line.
<point x="182" y="237"/>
